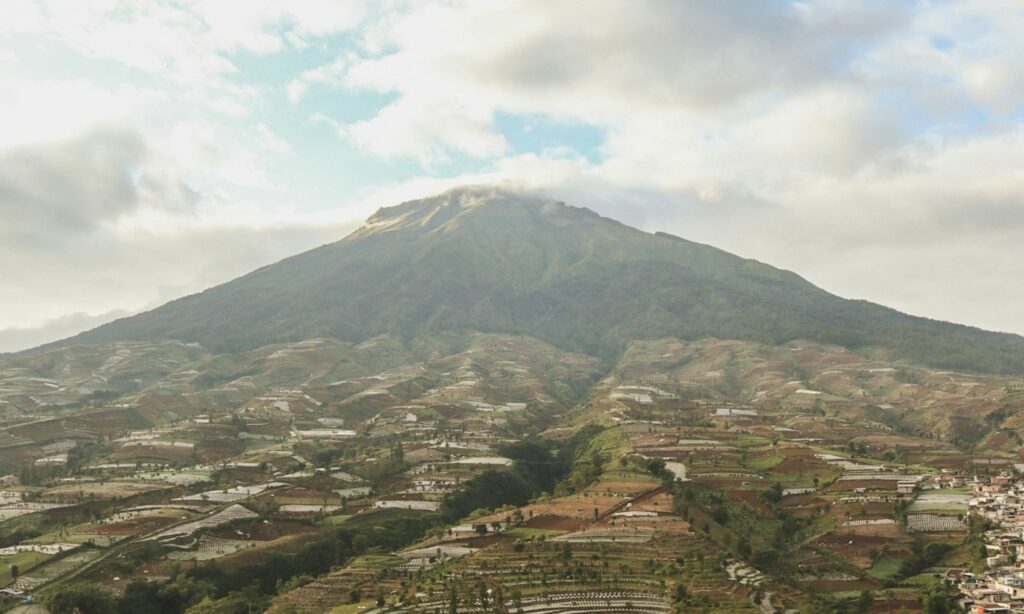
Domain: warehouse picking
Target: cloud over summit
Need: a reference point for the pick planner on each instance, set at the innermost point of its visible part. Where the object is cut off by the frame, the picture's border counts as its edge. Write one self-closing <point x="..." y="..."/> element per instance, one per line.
<point x="872" y="146"/>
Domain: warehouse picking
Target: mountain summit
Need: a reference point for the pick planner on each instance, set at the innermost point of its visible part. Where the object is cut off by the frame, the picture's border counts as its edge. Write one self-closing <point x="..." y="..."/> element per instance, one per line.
<point x="495" y="260"/>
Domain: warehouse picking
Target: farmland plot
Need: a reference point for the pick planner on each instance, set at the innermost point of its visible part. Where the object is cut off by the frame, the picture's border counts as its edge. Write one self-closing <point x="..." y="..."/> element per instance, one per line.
<point x="931" y="523"/>
<point x="230" y="514"/>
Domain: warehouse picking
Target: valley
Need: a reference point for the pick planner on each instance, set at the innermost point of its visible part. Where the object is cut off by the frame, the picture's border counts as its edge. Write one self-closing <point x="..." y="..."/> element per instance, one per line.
<point x="482" y="472"/>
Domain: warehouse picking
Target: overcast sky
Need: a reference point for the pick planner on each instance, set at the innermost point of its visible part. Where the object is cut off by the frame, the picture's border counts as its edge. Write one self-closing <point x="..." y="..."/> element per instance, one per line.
<point x="149" y="149"/>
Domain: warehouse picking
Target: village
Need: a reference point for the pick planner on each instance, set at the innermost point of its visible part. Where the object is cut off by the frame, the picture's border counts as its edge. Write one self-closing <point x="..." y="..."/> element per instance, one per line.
<point x="997" y="585"/>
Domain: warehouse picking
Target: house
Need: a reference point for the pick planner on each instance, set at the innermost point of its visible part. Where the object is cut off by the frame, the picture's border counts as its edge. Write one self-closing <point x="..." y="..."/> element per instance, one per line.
<point x="990" y="608"/>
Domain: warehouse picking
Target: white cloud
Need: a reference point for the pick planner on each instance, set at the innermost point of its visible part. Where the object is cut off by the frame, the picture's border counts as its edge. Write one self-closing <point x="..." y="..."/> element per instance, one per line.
<point x="107" y="222"/>
<point x="40" y="111"/>
<point x="873" y="146"/>
<point x="332" y="73"/>
<point x="81" y="183"/>
<point x="427" y="130"/>
<point x="810" y="135"/>
<point x="188" y="44"/>
<point x="271" y="142"/>
<point x="624" y="60"/>
<point x="19" y="338"/>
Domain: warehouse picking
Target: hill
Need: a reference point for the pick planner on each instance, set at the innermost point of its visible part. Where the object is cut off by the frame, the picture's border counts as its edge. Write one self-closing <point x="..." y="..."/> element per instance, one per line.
<point x="490" y="260"/>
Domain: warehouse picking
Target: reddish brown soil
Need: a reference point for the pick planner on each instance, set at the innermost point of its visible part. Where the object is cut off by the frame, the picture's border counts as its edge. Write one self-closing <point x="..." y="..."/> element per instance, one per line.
<point x="485" y="541"/>
<point x="859" y="551"/>
<point x="554" y="523"/>
<point x="883" y="606"/>
<point x="751" y="498"/>
<point x="134" y="526"/>
<point x="799" y="466"/>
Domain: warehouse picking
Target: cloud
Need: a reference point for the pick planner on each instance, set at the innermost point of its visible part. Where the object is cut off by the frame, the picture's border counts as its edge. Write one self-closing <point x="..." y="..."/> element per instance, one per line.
<point x="267" y="26"/>
<point x="16" y="339"/>
<point x="127" y="215"/>
<point x="428" y="131"/>
<point x="138" y="266"/>
<point x="192" y="45"/>
<point x="701" y="58"/>
<point x="815" y="135"/>
<point x="873" y="147"/>
<point x="332" y="73"/>
<point x="80" y="183"/>
<point x="39" y="110"/>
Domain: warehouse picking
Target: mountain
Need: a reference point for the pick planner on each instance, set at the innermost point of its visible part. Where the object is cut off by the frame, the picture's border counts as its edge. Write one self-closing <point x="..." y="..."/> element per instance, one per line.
<point x="493" y="260"/>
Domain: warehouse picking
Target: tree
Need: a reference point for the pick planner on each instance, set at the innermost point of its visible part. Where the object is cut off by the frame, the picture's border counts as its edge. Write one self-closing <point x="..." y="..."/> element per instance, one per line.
<point x="936" y="600"/>
<point x="142" y="597"/>
<point x="680" y="593"/>
<point x="566" y="554"/>
<point x="83" y="598"/>
<point x="743" y="548"/>
<point x="237" y="602"/>
<point x="14" y="572"/>
<point x="865" y="601"/>
<point x="453" y="602"/>
<point x="774" y="494"/>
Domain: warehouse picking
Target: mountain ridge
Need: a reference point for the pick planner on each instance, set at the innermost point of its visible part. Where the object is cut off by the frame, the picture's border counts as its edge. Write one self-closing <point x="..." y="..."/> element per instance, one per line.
<point x="497" y="260"/>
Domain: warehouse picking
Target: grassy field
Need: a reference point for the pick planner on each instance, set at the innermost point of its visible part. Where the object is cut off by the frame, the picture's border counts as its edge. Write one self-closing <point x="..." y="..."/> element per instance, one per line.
<point x="885" y="568"/>
<point x="961" y="556"/>
<point x="24" y="560"/>
<point x="762" y="463"/>
<point x="945" y="509"/>
<point x="923" y="579"/>
<point x="332" y="521"/>
<point x="353" y="608"/>
<point x="373" y="517"/>
<point x="377" y="561"/>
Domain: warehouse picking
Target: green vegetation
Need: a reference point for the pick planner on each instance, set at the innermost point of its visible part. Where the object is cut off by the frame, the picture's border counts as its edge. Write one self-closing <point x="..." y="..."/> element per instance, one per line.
<point x="517" y="264"/>
<point x="936" y="600"/>
<point x="923" y="555"/>
<point x="379" y="561"/>
<point x="763" y="463"/>
<point x="362" y="539"/>
<point x="843" y="603"/>
<point x="213" y="588"/>
<point x="589" y="453"/>
<point x="489" y="490"/>
<point x="886" y="568"/>
<point x="84" y="598"/>
<point x="763" y="539"/>
<point x="571" y="463"/>
<point x="12" y="566"/>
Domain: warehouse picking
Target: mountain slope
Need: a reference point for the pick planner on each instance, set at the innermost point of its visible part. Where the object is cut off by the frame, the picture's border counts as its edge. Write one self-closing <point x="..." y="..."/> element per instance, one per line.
<point x="497" y="261"/>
